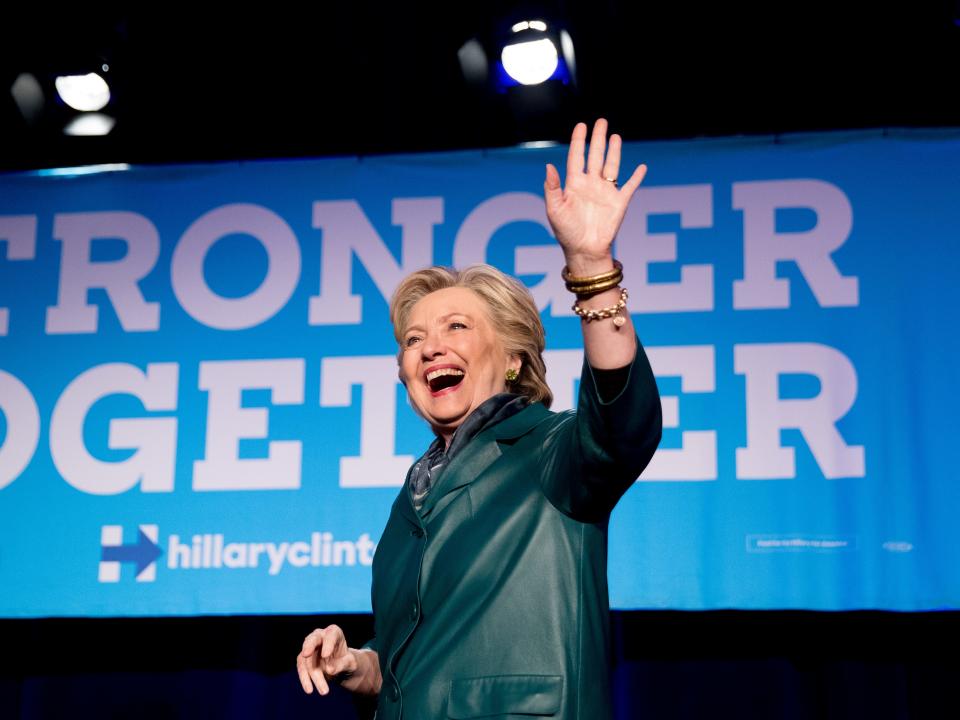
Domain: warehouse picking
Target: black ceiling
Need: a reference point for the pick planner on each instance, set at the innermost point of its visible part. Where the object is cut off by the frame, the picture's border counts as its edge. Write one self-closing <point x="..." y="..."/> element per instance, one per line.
<point x="378" y="78"/>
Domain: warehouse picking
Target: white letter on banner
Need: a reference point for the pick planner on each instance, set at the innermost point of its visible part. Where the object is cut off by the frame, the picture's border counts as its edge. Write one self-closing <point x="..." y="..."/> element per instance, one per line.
<point x="473" y="238"/>
<point x="696" y="459"/>
<point x="283" y="267"/>
<point x="376" y="465"/>
<point x="228" y="423"/>
<point x="79" y="274"/>
<point x="22" y="418"/>
<point x="563" y="370"/>
<point x="154" y="439"/>
<point x="764" y="247"/>
<point x="347" y="229"/>
<point x="637" y="248"/>
<point x="20" y="232"/>
<point x="815" y="417"/>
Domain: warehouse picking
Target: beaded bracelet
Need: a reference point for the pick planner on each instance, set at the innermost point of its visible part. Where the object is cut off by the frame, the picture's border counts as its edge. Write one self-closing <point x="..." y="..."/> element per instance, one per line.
<point x="614" y="311"/>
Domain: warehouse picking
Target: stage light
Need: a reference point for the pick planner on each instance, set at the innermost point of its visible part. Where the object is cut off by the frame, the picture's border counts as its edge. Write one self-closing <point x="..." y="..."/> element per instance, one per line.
<point x="473" y="62"/>
<point x="85" y="93"/>
<point x="531" y="57"/>
<point x="28" y="95"/>
<point x="566" y="47"/>
<point x="517" y="54"/>
<point x="90" y="124"/>
<point x="531" y="62"/>
<point x="522" y="71"/>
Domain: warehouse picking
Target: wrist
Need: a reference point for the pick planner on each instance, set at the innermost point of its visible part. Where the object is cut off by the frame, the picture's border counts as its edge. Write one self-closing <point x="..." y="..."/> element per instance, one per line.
<point x="581" y="265"/>
<point x="364" y="678"/>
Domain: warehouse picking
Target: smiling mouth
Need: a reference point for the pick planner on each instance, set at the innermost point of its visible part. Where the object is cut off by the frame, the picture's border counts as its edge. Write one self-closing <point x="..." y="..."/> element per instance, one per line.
<point x="444" y="379"/>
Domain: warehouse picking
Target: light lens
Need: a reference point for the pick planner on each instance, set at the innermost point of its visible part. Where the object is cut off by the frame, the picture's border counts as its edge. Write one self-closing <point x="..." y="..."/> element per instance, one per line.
<point x="85" y="93"/>
<point x="530" y="63"/>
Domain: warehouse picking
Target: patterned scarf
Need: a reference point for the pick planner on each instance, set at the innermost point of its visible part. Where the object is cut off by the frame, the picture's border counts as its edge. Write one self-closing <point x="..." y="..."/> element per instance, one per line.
<point x="426" y="471"/>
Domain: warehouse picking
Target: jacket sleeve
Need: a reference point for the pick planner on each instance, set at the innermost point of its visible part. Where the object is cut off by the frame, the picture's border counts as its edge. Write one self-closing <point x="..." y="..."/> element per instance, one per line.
<point x="592" y="456"/>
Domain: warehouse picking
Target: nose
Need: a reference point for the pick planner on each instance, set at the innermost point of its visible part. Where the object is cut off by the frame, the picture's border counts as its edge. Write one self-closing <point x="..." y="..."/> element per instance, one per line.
<point x="432" y="345"/>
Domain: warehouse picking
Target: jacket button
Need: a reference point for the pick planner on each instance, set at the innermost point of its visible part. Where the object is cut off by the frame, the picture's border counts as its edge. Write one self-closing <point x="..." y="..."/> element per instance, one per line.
<point x="417" y="533"/>
<point x="394" y="692"/>
<point x="414" y="611"/>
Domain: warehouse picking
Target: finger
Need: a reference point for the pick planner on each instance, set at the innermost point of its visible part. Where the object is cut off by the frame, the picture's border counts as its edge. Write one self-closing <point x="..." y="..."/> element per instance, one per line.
<point x="332" y="638"/>
<point x="310" y="643"/>
<point x="320" y="681"/>
<point x="575" y="153"/>
<point x="611" y="166"/>
<point x="598" y="144"/>
<point x="304" y="675"/>
<point x="335" y="666"/>
<point x="630" y="187"/>
<point x="552" y="192"/>
<point x="553" y="177"/>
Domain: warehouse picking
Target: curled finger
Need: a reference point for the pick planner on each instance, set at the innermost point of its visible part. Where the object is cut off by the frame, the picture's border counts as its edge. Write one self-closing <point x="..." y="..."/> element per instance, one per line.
<point x="310" y="643"/>
<point x="332" y="638"/>
<point x="334" y="666"/>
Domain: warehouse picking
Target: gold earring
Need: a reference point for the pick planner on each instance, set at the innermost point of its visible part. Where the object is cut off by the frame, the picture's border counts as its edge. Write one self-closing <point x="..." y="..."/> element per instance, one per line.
<point x="511" y="375"/>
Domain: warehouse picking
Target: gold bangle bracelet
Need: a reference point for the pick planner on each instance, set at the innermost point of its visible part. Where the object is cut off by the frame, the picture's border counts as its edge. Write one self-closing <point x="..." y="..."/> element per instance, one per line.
<point x="572" y="280"/>
<point x="585" y="287"/>
<point x="594" y="288"/>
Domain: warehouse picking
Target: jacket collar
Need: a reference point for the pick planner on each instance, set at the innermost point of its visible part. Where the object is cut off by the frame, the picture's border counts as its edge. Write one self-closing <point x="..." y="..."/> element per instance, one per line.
<point x="475" y="458"/>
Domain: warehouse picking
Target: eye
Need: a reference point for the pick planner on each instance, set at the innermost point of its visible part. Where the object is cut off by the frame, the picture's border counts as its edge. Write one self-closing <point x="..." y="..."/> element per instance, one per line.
<point x="411" y="341"/>
<point x="455" y="325"/>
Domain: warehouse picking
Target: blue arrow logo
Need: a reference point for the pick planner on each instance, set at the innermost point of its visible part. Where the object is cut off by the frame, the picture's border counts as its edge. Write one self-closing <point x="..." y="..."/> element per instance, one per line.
<point x="143" y="552"/>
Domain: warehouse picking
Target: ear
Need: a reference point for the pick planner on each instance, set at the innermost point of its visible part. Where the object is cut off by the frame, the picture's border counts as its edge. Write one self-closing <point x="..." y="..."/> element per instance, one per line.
<point x="514" y="362"/>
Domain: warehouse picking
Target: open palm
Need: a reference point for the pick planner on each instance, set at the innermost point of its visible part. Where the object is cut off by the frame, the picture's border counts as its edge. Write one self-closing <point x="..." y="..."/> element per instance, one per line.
<point x="587" y="213"/>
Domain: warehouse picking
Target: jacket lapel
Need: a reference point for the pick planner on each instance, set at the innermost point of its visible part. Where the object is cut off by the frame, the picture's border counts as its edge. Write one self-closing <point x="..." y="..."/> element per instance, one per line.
<point x="405" y="504"/>
<point x="481" y="453"/>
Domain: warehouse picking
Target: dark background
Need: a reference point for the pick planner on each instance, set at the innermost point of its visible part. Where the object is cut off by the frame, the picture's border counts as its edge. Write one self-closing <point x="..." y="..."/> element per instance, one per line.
<point x="382" y="78"/>
<point x="370" y="78"/>
<point x="666" y="666"/>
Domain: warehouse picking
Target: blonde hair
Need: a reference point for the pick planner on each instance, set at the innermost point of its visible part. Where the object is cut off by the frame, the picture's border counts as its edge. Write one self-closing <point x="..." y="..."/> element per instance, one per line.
<point x="511" y="308"/>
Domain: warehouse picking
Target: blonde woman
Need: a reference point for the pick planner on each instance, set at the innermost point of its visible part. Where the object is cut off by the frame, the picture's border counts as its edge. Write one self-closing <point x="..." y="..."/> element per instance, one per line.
<point x="490" y="578"/>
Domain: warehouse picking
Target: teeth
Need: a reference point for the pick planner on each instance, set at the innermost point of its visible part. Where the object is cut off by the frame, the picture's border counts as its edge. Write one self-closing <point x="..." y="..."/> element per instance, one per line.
<point x="433" y="374"/>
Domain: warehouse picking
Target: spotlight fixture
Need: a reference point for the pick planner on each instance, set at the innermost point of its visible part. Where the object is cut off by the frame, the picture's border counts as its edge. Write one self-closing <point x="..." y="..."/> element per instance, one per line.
<point x="516" y="54"/>
<point x="85" y="93"/>
<point x="522" y="70"/>
<point x="533" y="53"/>
<point x="531" y="62"/>
<point x="86" y="96"/>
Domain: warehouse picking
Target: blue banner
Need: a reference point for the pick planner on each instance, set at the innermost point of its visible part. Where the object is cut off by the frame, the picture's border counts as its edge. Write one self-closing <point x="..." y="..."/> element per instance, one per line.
<point x="200" y="411"/>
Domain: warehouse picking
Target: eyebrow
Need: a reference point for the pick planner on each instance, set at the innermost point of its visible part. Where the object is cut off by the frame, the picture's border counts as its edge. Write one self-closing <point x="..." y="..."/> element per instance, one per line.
<point x="441" y="319"/>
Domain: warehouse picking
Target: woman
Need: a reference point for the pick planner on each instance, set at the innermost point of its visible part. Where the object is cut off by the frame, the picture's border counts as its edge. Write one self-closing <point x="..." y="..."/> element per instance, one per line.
<point x="489" y="582"/>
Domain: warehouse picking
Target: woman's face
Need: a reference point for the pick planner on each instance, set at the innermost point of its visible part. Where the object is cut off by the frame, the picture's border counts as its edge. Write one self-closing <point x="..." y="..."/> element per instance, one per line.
<point x="451" y="358"/>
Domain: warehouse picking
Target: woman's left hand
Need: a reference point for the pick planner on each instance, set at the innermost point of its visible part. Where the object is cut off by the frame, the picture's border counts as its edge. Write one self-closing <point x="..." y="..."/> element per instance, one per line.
<point x="587" y="213"/>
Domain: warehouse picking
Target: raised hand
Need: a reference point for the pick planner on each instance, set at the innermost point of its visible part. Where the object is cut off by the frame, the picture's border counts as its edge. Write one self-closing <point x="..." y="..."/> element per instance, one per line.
<point x="587" y="213"/>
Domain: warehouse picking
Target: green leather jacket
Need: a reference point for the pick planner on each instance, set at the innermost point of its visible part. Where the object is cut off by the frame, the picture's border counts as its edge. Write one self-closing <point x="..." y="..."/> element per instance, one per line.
<point x="492" y="602"/>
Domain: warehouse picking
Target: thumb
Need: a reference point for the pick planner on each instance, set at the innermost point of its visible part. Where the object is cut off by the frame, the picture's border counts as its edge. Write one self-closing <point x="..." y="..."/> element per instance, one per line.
<point x="552" y="192"/>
